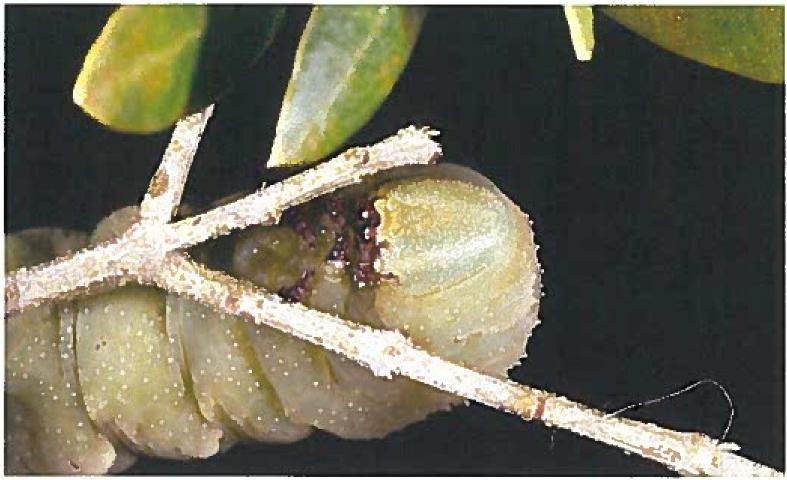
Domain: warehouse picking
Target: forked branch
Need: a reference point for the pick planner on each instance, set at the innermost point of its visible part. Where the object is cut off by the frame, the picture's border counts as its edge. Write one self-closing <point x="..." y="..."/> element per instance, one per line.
<point x="149" y="252"/>
<point x="145" y="244"/>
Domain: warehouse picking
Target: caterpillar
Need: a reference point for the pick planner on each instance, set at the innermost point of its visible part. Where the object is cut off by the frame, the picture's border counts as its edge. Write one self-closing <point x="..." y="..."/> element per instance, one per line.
<point x="438" y="253"/>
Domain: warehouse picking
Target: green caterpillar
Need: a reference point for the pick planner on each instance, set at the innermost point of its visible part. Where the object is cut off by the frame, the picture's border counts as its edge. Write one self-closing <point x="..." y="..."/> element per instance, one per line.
<point x="438" y="253"/>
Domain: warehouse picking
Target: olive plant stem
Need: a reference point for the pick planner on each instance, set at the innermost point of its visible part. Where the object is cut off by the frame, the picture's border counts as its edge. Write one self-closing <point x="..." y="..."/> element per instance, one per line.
<point x="166" y="187"/>
<point x="388" y="353"/>
<point x="148" y="252"/>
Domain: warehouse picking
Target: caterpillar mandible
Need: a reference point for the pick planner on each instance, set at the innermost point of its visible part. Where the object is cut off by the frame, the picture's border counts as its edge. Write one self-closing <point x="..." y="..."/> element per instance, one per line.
<point x="438" y="253"/>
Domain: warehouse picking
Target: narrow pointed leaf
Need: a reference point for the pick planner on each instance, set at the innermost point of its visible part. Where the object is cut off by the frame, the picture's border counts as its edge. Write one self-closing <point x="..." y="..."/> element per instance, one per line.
<point x="580" y="25"/>
<point x="348" y="60"/>
<point x="137" y="75"/>
<point x="748" y="41"/>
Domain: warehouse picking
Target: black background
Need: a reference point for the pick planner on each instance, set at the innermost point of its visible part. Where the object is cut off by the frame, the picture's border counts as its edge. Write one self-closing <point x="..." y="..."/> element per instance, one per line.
<point x="655" y="184"/>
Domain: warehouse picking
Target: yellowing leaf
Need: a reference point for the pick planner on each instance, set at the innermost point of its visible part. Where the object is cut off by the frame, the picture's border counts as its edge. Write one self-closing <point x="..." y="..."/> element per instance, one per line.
<point x="580" y="25"/>
<point x="152" y="65"/>
<point x="137" y="75"/>
<point x="748" y="41"/>
<point x="347" y="62"/>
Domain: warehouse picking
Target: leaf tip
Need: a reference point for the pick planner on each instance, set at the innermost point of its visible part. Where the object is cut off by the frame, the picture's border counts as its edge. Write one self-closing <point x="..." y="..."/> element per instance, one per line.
<point x="277" y="157"/>
<point x="580" y="25"/>
<point x="79" y="94"/>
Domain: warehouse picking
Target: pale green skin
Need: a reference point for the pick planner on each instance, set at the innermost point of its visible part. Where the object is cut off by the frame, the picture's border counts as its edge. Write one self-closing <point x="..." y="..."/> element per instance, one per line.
<point x="465" y="259"/>
<point x="162" y="375"/>
<point x="47" y="427"/>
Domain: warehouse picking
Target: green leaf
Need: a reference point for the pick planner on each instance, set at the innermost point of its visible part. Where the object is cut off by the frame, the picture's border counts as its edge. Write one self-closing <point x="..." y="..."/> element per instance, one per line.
<point x="348" y="60"/>
<point x="137" y="75"/>
<point x="152" y="65"/>
<point x="748" y="41"/>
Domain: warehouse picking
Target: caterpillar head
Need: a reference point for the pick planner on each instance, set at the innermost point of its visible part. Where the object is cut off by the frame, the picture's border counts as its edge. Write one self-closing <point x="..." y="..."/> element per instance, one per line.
<point x="436" y="252"/>
<point x="462" y="259"/>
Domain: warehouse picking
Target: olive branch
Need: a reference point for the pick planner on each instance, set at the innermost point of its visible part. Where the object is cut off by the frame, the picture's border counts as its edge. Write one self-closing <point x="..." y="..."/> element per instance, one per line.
<point x="150" y="252"/>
